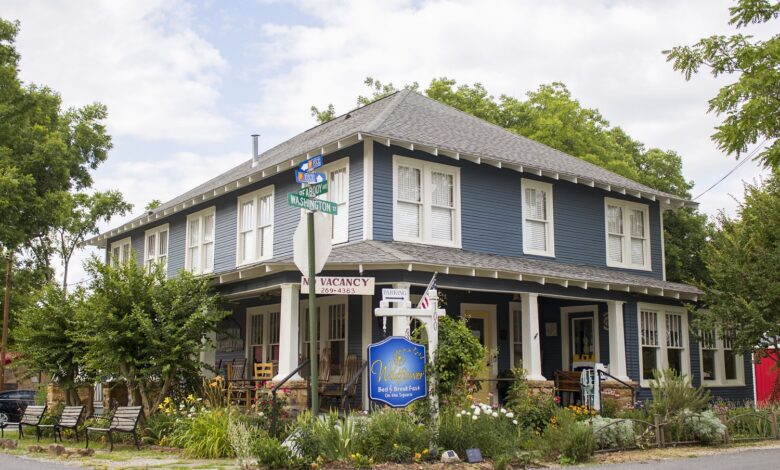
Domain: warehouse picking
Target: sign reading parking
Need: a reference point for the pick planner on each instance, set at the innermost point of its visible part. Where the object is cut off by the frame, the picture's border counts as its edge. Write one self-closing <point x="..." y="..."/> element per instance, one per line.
<point x="396" y="372"/>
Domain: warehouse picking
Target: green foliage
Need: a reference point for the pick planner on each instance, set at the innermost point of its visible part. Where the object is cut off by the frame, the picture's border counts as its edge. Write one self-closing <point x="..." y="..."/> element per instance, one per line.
<point x="159" y="428"/>
<point x="613" y="433"/>
<point x="393" y="436"/>
<point x="325" y="115"/>
<point x="750" y="105"/>
<point x="532" y="411"/>
<point x="270" y="453"/>
<point x="325" y="436"/>
<point x="460" y="355"/>
<point x="673" y="392"/>
<point x="567" y="440"/>
<point x="743" y="298"/>
<point x="241" y="437"/>
<point x="206" y="436"/>
<point x="493" y="431"/>
<point x="358" y="460"/>
<point x="703" y="427"/>
<point x="151" y="328"/>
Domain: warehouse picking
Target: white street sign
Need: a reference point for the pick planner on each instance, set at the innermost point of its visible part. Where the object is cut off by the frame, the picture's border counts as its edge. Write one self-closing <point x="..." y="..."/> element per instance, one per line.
<point x="395" y="294"/>
<point x="351" y="285"/>
<point x="323" y="228"/>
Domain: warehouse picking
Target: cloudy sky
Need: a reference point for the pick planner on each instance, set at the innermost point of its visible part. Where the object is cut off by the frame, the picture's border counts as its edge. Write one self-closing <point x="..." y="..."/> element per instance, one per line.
<point x="187" y="82"/>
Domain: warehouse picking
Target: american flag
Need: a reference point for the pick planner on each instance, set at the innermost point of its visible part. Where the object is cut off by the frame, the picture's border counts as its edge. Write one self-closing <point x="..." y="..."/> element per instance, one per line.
<point x="425" y="301"/>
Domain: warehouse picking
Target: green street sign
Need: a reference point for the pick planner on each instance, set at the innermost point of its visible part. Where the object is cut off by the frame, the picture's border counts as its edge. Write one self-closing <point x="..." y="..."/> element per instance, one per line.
<point x="296" y="200"/>
<point x="314" y="190"/>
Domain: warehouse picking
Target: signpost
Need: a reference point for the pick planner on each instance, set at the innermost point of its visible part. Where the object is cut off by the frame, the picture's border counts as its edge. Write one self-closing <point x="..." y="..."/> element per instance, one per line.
<point x="397" y="372"/>
<point x="328" y="285"/>
<point x="305" y="199"/>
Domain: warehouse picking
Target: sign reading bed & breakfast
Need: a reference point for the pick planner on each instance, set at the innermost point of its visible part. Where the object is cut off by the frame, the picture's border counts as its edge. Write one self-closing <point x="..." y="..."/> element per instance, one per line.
<point x="396" y="374"/>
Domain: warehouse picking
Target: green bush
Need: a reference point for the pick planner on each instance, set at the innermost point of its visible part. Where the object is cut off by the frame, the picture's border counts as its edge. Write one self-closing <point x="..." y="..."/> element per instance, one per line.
<point x="205" y="435"/>
<point x="703" y="427"/>
<point x="533" y="411"/>
<point x="673" y="393"/>
<point x="159" y="428"/>
<point x="241" y="436"/>
<point x="393" y="436"/>
<point x="567" y="440"/>
<point x="613" y="433"/>
<point x="270" y="453"/>
<point x="327" y="436"/>
<point x="494" y="431"/>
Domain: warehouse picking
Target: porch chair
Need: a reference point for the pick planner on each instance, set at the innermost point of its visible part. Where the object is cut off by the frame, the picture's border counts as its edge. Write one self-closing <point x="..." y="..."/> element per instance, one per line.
<point x="348" y="370"/>
<point x="237" y="390"/>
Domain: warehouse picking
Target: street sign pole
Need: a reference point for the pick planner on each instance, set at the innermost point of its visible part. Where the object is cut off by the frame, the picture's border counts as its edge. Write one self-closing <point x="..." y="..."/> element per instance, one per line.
<point x="314" y="364"/>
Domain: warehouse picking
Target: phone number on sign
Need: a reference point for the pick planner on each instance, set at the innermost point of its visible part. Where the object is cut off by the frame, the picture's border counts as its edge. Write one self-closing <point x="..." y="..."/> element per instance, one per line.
<point x="337" y="290"/>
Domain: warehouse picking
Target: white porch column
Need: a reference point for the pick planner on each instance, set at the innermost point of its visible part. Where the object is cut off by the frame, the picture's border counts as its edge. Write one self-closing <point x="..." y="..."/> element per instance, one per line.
<point x="617" y="340"/>
<point x="532" y="350"/>
<point x="288" y="331"/>
<point x="401" y="324"/>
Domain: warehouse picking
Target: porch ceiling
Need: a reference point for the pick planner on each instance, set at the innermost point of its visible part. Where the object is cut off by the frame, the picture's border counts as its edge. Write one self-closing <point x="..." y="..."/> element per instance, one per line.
<point x="376" y="255"/>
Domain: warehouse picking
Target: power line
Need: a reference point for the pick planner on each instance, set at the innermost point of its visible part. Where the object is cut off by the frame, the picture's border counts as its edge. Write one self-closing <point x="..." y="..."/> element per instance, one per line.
<point x="745" y="159"/>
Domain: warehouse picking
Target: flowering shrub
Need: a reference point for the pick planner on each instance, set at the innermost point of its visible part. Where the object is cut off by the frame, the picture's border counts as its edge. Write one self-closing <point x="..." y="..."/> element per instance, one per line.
<point x="566" y="440"/>
<point x="581" y="412"/>
<point x="359" y="460"/>
<point x="703" y="427"/>
<point x="205" y="435"/>
<point x="494" y="430"/>
<point x="264" y="403"/>
<point x="533" y="411"/>
<point x="613" y="433"/>
<point x="395" y="436"/>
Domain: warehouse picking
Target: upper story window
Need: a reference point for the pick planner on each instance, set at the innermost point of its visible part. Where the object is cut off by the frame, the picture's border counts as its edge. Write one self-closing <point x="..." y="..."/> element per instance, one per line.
<point x="628" y="234"/>
<point x="255" y="226"/>
<point x="720" y="364"/>
<point x="427" y="202"/>
<point x="120" y="252"/>
<point x="156" y="248"/>
<point x="200" y="241"/>
<point x="338" y="192"/>
<point x="538" y="238"/>
<point x="663" y="339"/>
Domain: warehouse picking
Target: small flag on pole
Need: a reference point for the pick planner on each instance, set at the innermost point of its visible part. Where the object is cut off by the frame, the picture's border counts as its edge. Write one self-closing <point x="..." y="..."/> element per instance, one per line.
<point x="425" y="301"/>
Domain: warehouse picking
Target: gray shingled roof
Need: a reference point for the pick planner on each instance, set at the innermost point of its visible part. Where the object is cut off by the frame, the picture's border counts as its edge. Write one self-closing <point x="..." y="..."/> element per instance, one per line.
<point x="410" y="117"/>
<point x="373" y="252"/>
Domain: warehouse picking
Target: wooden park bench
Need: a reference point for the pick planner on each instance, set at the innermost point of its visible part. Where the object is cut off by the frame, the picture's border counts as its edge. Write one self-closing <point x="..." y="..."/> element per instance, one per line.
<point x="33" y="415"/>
<point x="70" y="418"/>
<point x="125" y="420"/>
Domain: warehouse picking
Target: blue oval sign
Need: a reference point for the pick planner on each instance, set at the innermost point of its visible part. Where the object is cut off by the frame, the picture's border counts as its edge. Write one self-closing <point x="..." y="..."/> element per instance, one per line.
<point x="396" y="374"/>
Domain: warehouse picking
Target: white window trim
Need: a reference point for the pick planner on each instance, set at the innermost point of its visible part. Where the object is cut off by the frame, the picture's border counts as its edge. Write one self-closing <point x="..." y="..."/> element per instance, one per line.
<point x="265" y="311"/>
<point x="662" y="361"/>
<point x="720" y="366"/>
<point x="647" y="266"/>
<point x="425" y="228"/>
<point x="156" y="231"/>
<point x="120" y="243"/>
<point x="323" y="324"/>
<point x="254" y="196"/>
<point x="200" y="214"/>
<point x="550" y="232"/>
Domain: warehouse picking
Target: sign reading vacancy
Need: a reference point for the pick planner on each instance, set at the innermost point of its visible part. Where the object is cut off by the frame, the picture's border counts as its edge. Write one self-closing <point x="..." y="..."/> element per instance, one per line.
<point x="351" y="285"/>
<point x="396" y="371"/>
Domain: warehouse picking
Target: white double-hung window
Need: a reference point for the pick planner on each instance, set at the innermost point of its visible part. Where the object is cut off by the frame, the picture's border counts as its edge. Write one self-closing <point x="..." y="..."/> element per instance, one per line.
<point x="156" y="248"/>
<point x="338" y="192"/>
<point x="628" y="234"/>
<point x="663" y="339"/>
<point x="120" y="252"/>
<point x="255" y="226"/>
<point x="426" y="202"/>
<point x="538" y="233"/>
<point x="200" y="241"/>
<point x="720" y="364"/>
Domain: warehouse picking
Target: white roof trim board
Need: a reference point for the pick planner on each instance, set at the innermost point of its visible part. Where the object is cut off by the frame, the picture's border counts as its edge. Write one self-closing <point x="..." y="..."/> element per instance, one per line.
<point x="412" y="121"/>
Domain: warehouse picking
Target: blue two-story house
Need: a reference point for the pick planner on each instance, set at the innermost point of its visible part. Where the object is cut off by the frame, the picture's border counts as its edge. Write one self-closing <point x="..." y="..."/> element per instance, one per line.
<point x="557" y="263"/>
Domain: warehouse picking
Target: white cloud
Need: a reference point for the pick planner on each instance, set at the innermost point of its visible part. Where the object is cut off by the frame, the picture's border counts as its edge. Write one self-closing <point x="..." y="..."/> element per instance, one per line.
<point x="608" y="53"/>
<point x="143" y="59"/>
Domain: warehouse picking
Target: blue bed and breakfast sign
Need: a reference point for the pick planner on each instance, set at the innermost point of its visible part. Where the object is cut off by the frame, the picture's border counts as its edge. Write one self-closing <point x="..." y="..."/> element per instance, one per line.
<point x="396" y="374"/>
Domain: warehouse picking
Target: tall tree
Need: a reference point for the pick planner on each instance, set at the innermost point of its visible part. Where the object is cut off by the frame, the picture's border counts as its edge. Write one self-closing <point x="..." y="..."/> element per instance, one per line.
<point x="45" y="152"/>
<point x="751" y="104"/>
<point x="743" y="297"/>
<point x="551" y="115"/>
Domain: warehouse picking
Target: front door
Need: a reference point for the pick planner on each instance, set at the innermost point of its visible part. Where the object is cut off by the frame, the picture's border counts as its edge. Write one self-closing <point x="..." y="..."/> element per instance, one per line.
<point x="583" y="343"/>
<point x="480" y="322"/>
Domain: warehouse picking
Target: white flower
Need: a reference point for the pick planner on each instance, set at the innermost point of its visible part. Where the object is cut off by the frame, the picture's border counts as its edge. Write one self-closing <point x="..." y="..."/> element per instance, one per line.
<point x="495" y="415"/>
<point x="510" y="415"/>
<point x="181" y="406"/>
<point x="477" y="411"/>
<point x="474" y="417"/>
<point x="503" y="411"/>
<point x="189" y="415"/>
<point x="261" y="414"/>
<point x="514" y="421"/>
<point x="192" y="409"/>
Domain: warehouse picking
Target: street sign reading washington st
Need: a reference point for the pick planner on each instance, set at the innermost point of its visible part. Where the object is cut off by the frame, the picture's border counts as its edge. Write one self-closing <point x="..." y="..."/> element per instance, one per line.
<point x="318" y="205"/>
<point x="313" y="190"/>
<point x="309" y="177"/>
<point x="311" y="164"/>
<point x="396" y="373"/>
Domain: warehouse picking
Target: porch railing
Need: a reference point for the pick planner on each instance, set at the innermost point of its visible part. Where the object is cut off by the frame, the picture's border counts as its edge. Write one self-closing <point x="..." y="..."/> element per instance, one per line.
<point x="275" y="389"/>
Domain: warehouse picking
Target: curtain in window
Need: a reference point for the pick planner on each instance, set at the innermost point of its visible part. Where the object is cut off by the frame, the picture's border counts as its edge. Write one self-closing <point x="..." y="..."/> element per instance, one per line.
<point x="409" y="201"/>
<point x="265" y="226"/>
<point x="442" y="206"/>
<point x="535" y="219"/>
<point x="194" y="245"/>
<point x="615" y="229"/>
<point x="637" y="219"/>
<point x="246" y="235"/>
<point x="208" y="242"/>
<point x="338" y="192"/>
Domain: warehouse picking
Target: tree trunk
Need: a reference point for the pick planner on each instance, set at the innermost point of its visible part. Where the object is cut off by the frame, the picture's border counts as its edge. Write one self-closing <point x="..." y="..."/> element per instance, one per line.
<point x="6" y="315"/>
<point x="166" y="386"/>
<point x="91" y="401"/>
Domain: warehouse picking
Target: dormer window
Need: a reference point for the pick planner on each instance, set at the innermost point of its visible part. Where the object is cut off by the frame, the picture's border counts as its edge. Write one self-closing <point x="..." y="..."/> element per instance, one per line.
<point x="538" y="229"/>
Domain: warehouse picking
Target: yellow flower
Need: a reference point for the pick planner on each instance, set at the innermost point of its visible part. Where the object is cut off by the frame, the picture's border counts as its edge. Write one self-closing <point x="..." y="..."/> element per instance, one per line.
<point x="395" y="446"/>
<point x="425" y="451"/>
<point x="417" y="456"/>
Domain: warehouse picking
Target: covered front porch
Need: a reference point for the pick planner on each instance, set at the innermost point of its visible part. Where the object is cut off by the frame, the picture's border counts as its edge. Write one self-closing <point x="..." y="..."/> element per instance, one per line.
<point x="553" y="329"/>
